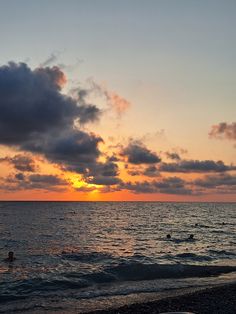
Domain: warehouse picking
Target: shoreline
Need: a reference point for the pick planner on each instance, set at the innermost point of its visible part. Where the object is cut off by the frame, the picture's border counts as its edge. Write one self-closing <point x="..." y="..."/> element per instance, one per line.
<point x="212" y="300"/>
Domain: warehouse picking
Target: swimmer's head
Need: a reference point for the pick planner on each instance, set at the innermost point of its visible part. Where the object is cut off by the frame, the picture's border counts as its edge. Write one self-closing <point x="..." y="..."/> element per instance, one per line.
<point x="11" y="256"/>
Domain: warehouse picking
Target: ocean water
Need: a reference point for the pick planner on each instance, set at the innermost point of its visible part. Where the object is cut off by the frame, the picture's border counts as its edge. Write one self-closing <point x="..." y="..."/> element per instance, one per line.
<point x="81" y="256"/>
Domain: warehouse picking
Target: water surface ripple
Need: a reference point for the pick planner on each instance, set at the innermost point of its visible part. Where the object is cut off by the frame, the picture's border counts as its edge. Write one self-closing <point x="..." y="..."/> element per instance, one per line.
<point x="82" y="254"/>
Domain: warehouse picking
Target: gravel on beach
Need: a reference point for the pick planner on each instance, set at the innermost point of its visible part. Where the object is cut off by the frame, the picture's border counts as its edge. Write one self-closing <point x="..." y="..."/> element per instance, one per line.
<point x="217" y="300"/>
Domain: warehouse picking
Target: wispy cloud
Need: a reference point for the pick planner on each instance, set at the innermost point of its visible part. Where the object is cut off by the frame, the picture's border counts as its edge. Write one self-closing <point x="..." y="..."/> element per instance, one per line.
<point x="114" y="101"/>
<point x="50" y="60"/>
<point x="223" y="130"/>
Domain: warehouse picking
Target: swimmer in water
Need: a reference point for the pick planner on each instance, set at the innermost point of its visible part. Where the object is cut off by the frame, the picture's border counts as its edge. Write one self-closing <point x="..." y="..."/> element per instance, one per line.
<point x="168" y="236"/>
<point x="10" y="257"/>
<point x="191" y="237"/>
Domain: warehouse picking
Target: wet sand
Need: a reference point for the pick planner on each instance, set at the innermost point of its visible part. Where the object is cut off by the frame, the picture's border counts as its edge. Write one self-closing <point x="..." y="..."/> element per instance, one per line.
<point x="217" y="300"/>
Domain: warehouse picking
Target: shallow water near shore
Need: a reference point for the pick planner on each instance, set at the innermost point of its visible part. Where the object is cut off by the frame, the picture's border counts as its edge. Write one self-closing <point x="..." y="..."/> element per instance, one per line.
<point x="90" y="255"/>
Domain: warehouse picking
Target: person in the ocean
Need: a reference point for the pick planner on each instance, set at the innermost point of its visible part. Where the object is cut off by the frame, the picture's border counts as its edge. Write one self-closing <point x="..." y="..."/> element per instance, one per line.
<point x="10" y="257"/>
<point x="191" y="237"/>
<point x="168" y="236"/>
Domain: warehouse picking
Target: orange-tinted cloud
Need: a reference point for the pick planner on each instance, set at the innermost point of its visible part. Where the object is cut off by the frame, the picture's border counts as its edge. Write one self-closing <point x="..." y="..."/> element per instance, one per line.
<point x="114" y="101"/>
<point x="21" y="181"/>
<point x="21" y="162"/>
<point x="223" y="130"/>
<point x="118" y="103"/>
<point x="54" y="75"/>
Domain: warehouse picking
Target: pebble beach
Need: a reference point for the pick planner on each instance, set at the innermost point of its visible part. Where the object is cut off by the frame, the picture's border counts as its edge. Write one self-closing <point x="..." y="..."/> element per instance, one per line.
<point x="217" y="300"/>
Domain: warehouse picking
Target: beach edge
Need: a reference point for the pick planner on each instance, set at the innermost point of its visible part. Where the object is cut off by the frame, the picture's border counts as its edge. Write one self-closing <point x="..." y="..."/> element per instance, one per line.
<point x="220" y="299"/>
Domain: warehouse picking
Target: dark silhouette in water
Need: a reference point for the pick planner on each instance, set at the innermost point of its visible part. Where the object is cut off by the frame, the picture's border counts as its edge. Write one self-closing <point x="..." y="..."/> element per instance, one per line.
<point x="168" y="236"/>
<point x="191" y="237"/>
<point x="10" y="257"/>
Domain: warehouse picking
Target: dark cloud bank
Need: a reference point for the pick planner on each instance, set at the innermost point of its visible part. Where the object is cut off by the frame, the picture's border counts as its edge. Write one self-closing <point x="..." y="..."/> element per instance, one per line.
<point x="33" y="109"/>
<point x="36" y="117"/>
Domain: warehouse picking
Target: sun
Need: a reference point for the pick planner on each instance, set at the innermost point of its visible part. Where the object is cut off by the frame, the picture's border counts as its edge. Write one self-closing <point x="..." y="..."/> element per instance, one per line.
<point x="80" y="185"/>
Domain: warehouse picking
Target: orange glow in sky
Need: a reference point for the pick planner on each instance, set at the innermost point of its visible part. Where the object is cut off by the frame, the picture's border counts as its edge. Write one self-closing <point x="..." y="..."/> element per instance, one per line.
<point x="137" y="107"/>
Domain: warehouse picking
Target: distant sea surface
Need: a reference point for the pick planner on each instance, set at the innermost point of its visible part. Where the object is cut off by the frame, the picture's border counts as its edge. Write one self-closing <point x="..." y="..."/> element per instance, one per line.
<point x="81" y="256"/>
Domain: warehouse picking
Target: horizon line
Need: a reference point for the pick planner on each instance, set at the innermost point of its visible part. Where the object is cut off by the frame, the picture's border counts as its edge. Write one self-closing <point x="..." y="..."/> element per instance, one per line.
<point x="125" y="201"/>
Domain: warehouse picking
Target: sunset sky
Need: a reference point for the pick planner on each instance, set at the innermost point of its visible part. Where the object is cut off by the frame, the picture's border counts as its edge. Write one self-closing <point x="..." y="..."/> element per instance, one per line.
<point x="118" y="100"/>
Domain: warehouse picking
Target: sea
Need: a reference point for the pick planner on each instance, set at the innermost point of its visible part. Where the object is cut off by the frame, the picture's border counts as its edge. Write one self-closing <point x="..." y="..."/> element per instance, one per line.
<point x="76" y="257"/>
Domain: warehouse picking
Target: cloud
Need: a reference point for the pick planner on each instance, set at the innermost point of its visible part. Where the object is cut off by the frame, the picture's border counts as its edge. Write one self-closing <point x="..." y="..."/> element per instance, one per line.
<point x="188" y="166"/>
<point x="172" y="185"/>
<point x="20" y="176"/>
<point x="31" y="104"/>
<point x="20" y="181"/>
<point x="116" y="102"/>
<point x="134" y="173"/>
<point x="88" y="112"/>
<point x="103" y="174"/>
<point x="51" y="76"/>
<point x="51" y="59"/>
<point x="84" y="189"/>
<point x="75" y="151"/>
<point x="171" y="181"/>
<point x="21" y="162"/>
<point x="223" y="130"/>
<point x="36" y="117"/>
<point x="151" y="171"/>
<point x="102" y="180"/>
<point x="70" y="67"/>
<point x="216" y="181"/>
<point x="173" y="156"/>
<point x="113" y="158"/>
<point x="139" y="187"/>
<point x="38" y="181"/>
<point x="137" y="153"/>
